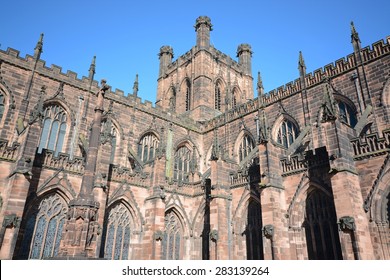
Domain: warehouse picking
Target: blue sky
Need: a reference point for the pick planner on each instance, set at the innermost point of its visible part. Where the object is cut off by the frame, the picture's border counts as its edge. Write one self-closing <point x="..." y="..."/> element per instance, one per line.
<point x="126" y="35"/>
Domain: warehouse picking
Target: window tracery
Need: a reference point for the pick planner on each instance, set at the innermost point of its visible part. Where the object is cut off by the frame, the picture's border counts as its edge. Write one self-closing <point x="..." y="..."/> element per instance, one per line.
<point x="287" y="133"/>
<point x="246" y="146"/>
<point x="346" y="113"/>
<point x="2" y="105"/>
<point x="172" y="238"/>
<point x="54" y="129"/>
<point x="182" y="163"/>
<point x="147" y="147"/>
<point x="118" y="233"/>
<point x="46" y="226"/>
<point x="217" y="97"/>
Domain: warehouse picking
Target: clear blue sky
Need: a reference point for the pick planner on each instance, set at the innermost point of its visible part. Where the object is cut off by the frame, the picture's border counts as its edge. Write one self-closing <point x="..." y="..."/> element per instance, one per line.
<point x="126" y="35"/>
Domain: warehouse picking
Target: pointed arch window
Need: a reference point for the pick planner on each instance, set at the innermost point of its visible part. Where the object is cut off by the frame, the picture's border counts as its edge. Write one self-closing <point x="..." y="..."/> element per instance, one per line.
<point x="246" y="146"/>
<point x="234" y="98"/>
<point x="217" y="97"/>
<point x="172" y="99"/>
<point x="346" y="113"/>
<point x="44" y="228"/>
<point x="147" y="147"/>
<point x="54" y="129"/>
<point x="254" y="244"/>
<point x="117" y="245"/>
<point x="2" y="105"/>
<point x="287" y="133"/>
<point x="182" y="164"/>
<point x="321" y="227"/>
<point x="172" y="238"/>
<point x="188" y="95"/>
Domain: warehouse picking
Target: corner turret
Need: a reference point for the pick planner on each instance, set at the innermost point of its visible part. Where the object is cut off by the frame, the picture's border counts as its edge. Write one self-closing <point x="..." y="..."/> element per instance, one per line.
<point x="244" y="54"/>
<point x="166" y="56"/>
<point x="203" y="27"/>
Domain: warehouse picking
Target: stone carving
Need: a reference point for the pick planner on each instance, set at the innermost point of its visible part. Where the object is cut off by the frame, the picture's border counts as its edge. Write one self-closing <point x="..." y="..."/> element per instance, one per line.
<point x="214" y="235"/>
<point x="347" y="223"/>
<point x="158" y="235"/>
<point x="268" y="231"/>
<point x="11" y="220"/>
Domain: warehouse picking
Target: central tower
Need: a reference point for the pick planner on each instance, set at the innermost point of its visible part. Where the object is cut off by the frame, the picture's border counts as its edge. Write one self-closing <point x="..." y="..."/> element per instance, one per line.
<point x="204" y="82"/>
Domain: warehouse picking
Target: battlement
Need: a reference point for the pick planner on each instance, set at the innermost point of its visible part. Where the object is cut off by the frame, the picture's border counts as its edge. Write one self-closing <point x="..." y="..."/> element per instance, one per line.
<point x="371" y="145"/>
<point x="62" y="161"/>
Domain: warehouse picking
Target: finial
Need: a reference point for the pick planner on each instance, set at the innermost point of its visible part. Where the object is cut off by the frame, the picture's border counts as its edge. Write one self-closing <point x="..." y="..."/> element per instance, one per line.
<point x="135" y="86"/>
<point x="354" y="34"/>
<point x="39" y="47"/>
<point x="260" y="88"/>
<point x="92" y="68"/>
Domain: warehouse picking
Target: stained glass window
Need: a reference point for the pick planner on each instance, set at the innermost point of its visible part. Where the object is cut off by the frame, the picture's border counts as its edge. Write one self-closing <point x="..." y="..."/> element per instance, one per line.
<point x="54" y="129"/>
<point x="147" y="147"/>
<point x="287" y="133"/>
<point x="172" y="238"/>
<point x="47" y="233"/>
<point x="118" y="233"/>
<point x="246" y="146"/>
<point x="182" y="163"/>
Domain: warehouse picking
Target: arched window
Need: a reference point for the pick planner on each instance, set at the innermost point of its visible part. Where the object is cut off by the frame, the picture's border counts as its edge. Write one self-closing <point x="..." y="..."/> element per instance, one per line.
<point x="147" y="147"/>
<point x="287" y="133"/>
<point x="172" y="99"/>
<point x="246" y="146"/>
<point x="182" y="163"/>
<point x="188" y="95"/>
<point x="2" y="105"/>
<point x="54" y="129"/>
<point x="254" y="244"/>
<point x="172" y="238"/>
<point x="347" y="114"/>
<point x="217" y="96"/>
<point x="43" y="230"/>
<point x="321" y="228"/>
<point x="117" y="243"/>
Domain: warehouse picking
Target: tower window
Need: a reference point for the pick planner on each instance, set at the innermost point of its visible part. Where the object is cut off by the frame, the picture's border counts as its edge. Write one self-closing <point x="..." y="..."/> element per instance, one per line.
<point x="246" y="146"/>
<point x="188" y="95"/>
<point x="217" y="97"/>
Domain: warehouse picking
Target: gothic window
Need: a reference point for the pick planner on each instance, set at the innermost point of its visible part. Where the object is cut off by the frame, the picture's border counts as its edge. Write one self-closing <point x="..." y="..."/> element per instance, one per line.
<point x="254" y="244"/>
<point x="287" y="133"/>
<point x="2" y="105"/>
<point x="182" y="163"/>
<point x="45" y="228"/>
<point x="147" y="147"/>
<point x="188" y="95"/>
<point x="347" y="114"/>
<point x="54" y="129"/>
<point x="117" y="243"/>
<point x="172" y="238"/>
<point x="217" y="97"/>
<point x="246" y="146"/>
<point x="321" y="228"/>
<point x="172" y="99"/>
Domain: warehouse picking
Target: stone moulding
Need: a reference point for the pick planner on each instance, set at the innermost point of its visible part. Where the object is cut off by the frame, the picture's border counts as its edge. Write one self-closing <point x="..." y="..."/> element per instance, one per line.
<point x="371" y="145"/>
<point x="8" y="153"/>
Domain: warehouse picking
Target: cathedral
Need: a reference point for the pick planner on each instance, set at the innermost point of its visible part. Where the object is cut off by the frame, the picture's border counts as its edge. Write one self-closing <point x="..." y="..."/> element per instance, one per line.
<point x="215" y="169"/>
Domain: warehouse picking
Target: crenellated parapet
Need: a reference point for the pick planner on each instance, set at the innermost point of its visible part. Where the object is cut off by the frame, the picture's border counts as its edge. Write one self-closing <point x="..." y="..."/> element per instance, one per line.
<point x="8" y="153"/>
<point x="125" y="175"/>
<point x="371" y="145"/>
<point x="293" y="165"/>
<point x="238" y="179"/>
<point x="47" y="159"/>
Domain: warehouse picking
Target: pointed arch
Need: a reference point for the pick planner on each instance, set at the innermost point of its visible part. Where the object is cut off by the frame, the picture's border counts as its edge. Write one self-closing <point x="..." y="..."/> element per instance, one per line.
<point x="6" y="101"/>
<point x="171" y="98"/>
<point x="244" y="144"/>
<point x="186" y="89"/>
<point x="173" y="238"/>
<point x="147" y="145"/>
<point x="285" y="130"/>
<point x="236" y="97"/>
<point x="56" y="127"/>
<point x="219" y="90"/>
<point x="44" y="225"/>
<point x="346" y="109"/>
<point x="111" y="132"/>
